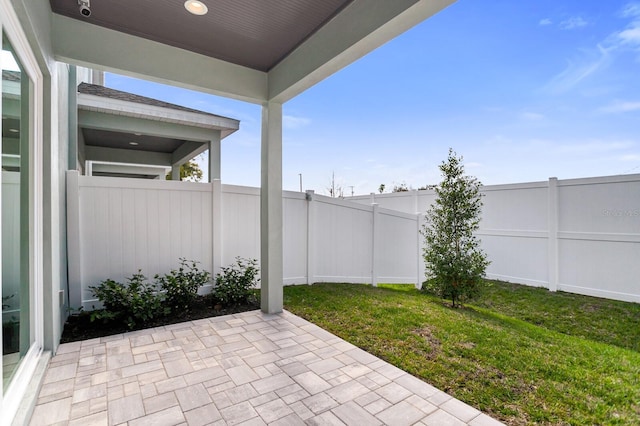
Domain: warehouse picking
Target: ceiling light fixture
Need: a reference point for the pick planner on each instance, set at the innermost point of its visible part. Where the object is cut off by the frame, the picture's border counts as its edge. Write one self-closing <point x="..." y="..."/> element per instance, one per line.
<point x="14" y="130"/>
<point x="133" y="143"/>
<point x="196" y="7"/>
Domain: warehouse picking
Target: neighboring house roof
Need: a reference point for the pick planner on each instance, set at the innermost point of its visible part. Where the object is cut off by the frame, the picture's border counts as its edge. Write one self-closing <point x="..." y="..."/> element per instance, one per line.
<point x="113" y="121"/>
<point x="106" y="92"/>
<point x="11" y="75"/>
<point x="93" y="97"/>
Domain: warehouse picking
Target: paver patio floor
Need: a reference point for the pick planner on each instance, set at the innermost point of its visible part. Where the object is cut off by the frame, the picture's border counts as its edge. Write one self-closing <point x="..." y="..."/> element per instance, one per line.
<point x="248" y="369"/>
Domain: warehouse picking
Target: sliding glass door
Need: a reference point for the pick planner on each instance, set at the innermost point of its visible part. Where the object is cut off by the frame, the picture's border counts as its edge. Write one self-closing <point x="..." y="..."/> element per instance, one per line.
<point x="16" y="313"/>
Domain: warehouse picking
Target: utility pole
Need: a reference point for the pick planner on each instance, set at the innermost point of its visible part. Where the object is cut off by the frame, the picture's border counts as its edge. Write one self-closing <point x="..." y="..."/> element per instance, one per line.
<point x="300" y="174"/>
<point x="351" y="186"/>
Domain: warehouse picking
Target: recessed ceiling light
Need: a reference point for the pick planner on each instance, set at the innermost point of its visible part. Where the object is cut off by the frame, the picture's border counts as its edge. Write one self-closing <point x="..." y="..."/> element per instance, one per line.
<point x="133" y="143"/>
<point x="14" y="130"/>
<point x="196" y="7"/>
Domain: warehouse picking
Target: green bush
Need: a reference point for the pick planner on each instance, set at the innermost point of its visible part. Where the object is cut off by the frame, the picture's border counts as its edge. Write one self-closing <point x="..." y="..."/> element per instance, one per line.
<point x="180" y="286"/>
<point x="132" y="303"/>
<point x="235" y="283"/>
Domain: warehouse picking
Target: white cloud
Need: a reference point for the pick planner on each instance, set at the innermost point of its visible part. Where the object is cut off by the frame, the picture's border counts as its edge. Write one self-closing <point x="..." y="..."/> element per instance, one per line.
<point x="631" y="10"/>
<point x="292" y="122"/>
<point x="630" y="157"/>
<point x="621" y="107"/>
<point x="573" y="23"/>
<point x="594" y="147"/>
<point x="630" y="36"/>
<point x="531" y="116"/>
<point x="544" y="22"/>
<point x="580" y="69"/>
<point x="590" y="61"/>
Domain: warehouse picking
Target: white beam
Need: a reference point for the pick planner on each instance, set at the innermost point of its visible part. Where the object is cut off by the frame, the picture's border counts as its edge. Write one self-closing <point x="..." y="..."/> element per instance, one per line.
<point x="81" y="43"/>
<point x="115" y="155"/>
<point x="360" y="28"/>
<point x="271" y="209"/>
<point x="120" y="123"/>
<point x="187" y="151"/>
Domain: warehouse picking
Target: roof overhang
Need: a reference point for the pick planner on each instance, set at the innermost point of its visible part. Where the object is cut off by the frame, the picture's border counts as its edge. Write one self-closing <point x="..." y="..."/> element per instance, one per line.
<point x="355" y="30"/>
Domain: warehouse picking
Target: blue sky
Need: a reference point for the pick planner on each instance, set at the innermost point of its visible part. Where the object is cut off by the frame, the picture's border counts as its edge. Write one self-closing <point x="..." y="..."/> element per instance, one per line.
<point x="523" y="90"/>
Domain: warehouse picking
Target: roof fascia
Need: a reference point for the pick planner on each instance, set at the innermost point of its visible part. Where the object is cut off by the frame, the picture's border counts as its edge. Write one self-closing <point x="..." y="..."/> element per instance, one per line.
<point x="360" y="28"/>
<point x="80" y="43"/>
<point x="152" y="112"/>
<point x="119" y="123"/>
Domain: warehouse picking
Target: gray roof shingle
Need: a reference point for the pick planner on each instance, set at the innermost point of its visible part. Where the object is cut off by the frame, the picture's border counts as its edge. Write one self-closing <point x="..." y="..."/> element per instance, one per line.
<point x="106" y="92"/>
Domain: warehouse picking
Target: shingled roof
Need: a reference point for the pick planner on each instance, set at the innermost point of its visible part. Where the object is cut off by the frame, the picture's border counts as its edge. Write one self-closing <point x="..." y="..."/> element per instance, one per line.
<point x="11" y="75"/>
<point x="105" y="92"/>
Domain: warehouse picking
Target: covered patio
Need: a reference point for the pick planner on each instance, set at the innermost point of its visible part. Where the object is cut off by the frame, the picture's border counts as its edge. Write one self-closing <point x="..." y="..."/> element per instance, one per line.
<point x="250" y="368"/>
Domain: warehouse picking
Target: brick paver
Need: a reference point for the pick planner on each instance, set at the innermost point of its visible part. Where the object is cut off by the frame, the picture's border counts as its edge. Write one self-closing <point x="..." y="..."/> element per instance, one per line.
<point x="248" y="368"/>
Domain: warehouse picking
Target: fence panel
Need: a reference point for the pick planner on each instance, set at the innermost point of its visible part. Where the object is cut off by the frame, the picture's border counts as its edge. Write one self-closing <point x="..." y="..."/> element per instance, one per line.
<point x="130" y="224"/>
<point x="579" y="235"/>
<point x="397" y="253"/>
<point x="343" y="242"/>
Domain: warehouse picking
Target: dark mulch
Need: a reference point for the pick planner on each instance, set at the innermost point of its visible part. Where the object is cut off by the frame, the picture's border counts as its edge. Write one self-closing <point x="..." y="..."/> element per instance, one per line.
<point x="79" y="327"/>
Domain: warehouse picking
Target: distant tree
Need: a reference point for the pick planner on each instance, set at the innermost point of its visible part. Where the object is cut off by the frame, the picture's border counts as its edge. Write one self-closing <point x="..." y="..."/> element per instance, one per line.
<point x="401" y="188"/>
<point x="425" y="187"/>
<point x="189" y="171"/>
<point x="381" y="188"/>
<point x="455" y="263"/>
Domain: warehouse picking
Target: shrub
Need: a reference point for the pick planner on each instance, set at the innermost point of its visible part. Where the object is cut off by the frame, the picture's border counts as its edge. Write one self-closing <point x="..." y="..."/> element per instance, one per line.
<point x="454" y="261"/>
<point x="180" y="286"/>
<point x="234" y="284"/>
<point x="132" y="303"/>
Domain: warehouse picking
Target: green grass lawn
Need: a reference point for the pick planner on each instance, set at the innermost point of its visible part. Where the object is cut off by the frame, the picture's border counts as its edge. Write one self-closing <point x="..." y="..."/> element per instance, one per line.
<point x="520" y="354"/>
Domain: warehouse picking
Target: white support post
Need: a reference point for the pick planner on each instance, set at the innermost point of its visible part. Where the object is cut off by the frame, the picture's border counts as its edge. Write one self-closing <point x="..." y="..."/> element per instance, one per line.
<point x="216" y="228"/>
<point x="553" y="234"/>
<point x="74" y="254"/>
<point x="311" y="254"/>
<point x="271" y="209"/>
<point x="215" y="169"/>
<point x="175" y="172"/>
<point x="375" y="242"/>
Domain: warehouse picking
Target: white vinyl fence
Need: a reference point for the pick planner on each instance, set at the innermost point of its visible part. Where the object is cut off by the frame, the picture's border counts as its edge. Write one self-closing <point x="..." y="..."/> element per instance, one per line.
<point x="117" y="226"/>
<point x="579" y="235"/>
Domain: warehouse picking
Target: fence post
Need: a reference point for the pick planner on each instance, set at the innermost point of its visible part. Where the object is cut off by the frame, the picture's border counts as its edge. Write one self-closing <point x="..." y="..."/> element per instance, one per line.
<point x="420" y="267"/>
<point x="375" y="244"/>
<point x="553" y="234"/>
<point x="216" y="228"/>
<point x="311" y="220"/>
<point x="74" y="254"/>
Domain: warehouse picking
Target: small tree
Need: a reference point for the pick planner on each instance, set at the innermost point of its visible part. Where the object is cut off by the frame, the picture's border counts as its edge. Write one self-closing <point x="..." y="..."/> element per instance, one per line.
<point x="189" y="171"/>
<point x="455" y="263"/>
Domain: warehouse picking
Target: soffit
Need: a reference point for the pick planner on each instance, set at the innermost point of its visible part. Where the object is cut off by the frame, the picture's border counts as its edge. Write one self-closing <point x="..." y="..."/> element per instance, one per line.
<point x="256" y="34"/>
<point x="123" y="140"/>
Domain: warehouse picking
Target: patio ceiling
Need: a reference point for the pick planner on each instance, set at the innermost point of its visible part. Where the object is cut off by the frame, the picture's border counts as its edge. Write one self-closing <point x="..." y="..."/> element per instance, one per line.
<point x="253" y="50"/>
<point x="253" y="33"/>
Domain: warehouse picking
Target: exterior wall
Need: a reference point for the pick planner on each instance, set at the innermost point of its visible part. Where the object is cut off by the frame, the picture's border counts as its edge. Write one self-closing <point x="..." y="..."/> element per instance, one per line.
<point x="117" y="226"/>
<point x="579" y="235"/>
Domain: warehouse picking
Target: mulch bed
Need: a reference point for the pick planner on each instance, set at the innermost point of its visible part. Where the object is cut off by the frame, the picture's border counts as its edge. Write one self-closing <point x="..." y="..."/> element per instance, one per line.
<point x="79" y="326"/>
